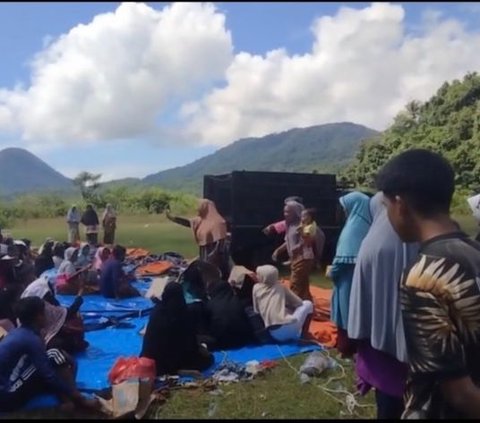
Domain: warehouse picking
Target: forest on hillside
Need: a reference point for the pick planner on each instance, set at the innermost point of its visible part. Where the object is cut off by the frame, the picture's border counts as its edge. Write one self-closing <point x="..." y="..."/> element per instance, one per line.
<point x="448" y="123"/>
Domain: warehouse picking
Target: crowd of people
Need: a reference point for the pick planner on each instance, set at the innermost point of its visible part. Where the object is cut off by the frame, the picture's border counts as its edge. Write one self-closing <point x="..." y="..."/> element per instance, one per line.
<point x="406" y="296"/>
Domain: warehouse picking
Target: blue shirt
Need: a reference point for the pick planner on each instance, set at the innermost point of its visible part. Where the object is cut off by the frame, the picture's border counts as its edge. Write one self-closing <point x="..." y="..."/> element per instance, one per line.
<point x="23" y="348"/>
<point x="110" y="277"/>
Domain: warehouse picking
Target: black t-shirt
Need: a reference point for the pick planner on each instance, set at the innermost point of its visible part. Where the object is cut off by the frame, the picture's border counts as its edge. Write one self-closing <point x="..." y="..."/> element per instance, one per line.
<point x="441" y="313"/>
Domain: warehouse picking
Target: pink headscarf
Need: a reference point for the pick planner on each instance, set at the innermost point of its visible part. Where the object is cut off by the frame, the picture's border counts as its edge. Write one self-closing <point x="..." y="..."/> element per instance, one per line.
<point x="98" y="262"/>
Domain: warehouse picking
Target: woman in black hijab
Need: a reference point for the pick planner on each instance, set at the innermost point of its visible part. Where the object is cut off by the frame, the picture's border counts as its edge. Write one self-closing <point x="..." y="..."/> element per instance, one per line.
<point x="170" y="337"/>
<point x="229" y="324"/>
<point x="91" y="222"/>
<point x="45" y="260"/>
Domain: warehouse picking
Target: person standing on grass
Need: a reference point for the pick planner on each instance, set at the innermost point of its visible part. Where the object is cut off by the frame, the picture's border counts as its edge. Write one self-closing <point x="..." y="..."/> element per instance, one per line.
<point x="374" y="320"/>
<point x="358" y="220"/>
<point x="27" y="369"/>
<point x="301" y="255"/>
<point x="109" y="223"/>
<point x="73" y="222"/>
<point x="440" y="295"/>
<point x="90" y="221"/>
<point x="210" y="232"/>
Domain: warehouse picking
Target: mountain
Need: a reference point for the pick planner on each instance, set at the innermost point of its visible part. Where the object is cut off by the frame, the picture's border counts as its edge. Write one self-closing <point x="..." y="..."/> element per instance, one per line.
<point x="24" y="172"/>
<point x="448" y="123"/>
<point x="325" y="148"/>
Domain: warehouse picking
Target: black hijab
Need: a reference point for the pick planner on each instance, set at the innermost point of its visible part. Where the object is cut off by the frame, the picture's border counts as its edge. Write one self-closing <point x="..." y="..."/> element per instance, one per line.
<point x="229" y="324"/>
<point x="90" y="217"/>
<point x="170" y="337"/>
<point x="45" y="260"/>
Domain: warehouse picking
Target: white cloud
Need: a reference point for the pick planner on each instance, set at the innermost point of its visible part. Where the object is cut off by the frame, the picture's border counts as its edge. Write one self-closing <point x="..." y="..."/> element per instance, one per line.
<point x="111" y="78"/>
<point x="362" y="67"/>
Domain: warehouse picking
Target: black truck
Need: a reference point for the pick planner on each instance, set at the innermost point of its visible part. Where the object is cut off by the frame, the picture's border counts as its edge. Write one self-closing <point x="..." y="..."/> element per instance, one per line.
<point x="249" y="201"/>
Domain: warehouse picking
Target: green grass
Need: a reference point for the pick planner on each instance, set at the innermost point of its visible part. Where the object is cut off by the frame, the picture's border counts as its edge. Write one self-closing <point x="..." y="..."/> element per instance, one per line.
<point x="278" y="394"/>
<point x="152" y="232"/>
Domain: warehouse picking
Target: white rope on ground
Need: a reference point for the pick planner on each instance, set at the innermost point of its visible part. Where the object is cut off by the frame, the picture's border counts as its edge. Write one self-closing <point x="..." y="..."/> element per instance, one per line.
<point x="350" y="402"/>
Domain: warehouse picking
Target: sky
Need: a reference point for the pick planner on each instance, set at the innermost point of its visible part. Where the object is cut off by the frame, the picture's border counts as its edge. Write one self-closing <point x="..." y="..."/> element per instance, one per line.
<point x="129" y="89"/>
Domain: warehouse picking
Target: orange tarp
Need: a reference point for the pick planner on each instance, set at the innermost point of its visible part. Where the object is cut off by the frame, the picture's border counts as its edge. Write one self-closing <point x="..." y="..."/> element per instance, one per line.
<point x="155" y="268"/>
<point x="137" y="253"/>
<point x="321" y="328"/>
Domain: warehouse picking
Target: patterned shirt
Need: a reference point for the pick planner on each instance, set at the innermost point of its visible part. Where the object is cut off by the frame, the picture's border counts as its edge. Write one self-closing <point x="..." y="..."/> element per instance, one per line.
<point x="441" y="312"/>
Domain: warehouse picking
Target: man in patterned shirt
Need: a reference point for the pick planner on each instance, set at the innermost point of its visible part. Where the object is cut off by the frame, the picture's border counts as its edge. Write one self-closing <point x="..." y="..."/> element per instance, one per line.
<point x="440" y="295"/>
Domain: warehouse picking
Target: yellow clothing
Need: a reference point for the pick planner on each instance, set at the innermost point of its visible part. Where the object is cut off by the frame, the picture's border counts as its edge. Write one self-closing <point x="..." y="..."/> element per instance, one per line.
<point x="309" y="230"/>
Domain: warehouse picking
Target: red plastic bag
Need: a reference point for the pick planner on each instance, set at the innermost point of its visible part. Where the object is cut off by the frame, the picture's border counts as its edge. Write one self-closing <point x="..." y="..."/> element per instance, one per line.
<point x="132" y="367"/>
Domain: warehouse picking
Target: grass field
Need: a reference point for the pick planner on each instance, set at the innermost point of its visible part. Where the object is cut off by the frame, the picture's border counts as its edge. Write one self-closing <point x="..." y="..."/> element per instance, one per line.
<point x="277" y="395"/>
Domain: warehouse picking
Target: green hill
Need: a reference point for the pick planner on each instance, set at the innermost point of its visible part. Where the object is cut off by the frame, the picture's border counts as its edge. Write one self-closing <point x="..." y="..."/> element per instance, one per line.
<point x="325" y="148"/>
<point x="448" y="123"/>
<point x="24" y="172"/>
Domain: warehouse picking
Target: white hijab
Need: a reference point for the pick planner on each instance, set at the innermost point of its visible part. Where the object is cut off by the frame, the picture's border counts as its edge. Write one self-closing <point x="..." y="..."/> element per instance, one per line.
<point x="38" y="288"/>
<point x="271" y="299"/>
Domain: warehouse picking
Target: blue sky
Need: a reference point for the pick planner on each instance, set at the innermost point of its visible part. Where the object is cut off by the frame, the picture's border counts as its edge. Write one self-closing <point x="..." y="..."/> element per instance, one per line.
<point x="255" y="28"/>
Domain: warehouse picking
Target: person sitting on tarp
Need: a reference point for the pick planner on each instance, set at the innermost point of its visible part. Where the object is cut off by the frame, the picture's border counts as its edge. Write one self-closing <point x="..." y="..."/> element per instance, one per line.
<point x="64" y="326"/>
<point x="285" y="315"/>
<point x="114" y="282"/>
<point x="170" y="337"/>
<point x="23" y="271"/>
<point x="194" y="281"/>
<point x="229" y="324"/>
<point x="101" y="256"/>
<point x="44" y="261"/>
<point x="85" y="260"/>
<point x="242" y="280"/>
<point x="69" y="279"/>
<point x="6" y="267"/>
<point x="8" y="297"/>
<point x="28" y="369"/>
<point x="210" y="232"/>
<point x="59" y="253"/>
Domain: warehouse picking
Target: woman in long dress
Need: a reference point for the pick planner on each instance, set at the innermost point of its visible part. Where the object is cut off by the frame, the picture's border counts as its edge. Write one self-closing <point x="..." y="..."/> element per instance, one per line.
<point x="375" y="320"/>
<point x="210" y="233"/>
<point x="109" y="223"/>
<point x="90" y="221"/>
<point x="357" y="211"/>
<point x="73" y="221"/>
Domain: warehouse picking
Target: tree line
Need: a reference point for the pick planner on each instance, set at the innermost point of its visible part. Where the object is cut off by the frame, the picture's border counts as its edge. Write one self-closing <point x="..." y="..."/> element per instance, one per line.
<point x="126" y="200"/>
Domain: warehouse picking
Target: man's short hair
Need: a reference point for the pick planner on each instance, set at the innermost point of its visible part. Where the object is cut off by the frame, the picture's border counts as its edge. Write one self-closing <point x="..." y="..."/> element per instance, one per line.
<point x="425" y="179"/>
<point x="28" y="309"/>
<point x="119" y="251"/>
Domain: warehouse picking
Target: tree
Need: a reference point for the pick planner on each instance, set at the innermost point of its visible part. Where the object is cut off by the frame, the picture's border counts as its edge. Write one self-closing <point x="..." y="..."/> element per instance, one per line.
<point x="88" y="183"/>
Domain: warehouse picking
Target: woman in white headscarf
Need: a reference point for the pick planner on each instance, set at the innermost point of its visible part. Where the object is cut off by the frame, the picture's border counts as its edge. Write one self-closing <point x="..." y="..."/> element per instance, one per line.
<point x="285" y="315"/>
<point x="73" y="221"/>
<point x="109" y="223"/>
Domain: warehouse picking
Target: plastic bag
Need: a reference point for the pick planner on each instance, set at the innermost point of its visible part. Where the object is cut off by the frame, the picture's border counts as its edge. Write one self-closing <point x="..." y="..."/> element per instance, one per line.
<point x="315" y="364"/>
<point x="132" y="367"/>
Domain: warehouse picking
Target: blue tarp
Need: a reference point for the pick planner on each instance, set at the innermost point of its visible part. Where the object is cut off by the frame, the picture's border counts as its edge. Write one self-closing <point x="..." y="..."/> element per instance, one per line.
<point x="108" y="344"/>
